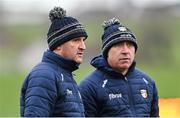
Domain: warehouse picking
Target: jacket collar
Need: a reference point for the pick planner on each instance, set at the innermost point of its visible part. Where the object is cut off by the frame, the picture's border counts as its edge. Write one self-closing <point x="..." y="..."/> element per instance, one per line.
<point x="67" y="64"/>
<point x="101" y="64"/>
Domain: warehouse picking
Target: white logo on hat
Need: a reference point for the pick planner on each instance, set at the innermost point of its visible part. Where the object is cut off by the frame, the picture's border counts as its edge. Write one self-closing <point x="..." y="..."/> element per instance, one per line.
<point x="122" y="29"/>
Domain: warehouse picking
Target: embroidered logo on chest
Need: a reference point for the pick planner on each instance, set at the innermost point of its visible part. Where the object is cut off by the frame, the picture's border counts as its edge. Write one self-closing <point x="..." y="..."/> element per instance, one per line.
<point x="115" y="96"/>
<point x="144" y="93"/>
<point x="69" y="92"/>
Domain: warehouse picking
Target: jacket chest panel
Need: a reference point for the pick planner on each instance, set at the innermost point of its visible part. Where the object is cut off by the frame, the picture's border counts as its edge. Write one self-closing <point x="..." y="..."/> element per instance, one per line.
<point x="69" y="92"/>
<point x="122" y="95"/>
<point x="68" y="89"/>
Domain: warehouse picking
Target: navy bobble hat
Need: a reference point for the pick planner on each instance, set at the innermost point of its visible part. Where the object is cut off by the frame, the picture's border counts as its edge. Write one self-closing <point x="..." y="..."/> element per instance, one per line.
<point x="63" y="28"/>
<point x="115" y="32"/>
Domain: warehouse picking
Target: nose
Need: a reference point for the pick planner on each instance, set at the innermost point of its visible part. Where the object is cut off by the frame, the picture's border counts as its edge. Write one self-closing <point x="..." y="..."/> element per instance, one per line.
<point x="125" y="48"/>
<point x="82" y="44"/>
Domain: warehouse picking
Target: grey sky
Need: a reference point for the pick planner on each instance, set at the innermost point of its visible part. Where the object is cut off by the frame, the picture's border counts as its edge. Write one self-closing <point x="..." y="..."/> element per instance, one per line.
<point x="45" y="5"/>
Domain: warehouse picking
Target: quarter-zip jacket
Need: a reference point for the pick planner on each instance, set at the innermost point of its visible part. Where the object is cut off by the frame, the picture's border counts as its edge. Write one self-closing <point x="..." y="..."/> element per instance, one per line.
<point x="108" y="93"/>
<point x="50" y="90"/>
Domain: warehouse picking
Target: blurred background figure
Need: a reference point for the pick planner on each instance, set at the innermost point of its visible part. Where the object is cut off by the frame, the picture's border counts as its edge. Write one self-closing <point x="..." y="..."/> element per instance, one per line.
<point x="23" y="26"/>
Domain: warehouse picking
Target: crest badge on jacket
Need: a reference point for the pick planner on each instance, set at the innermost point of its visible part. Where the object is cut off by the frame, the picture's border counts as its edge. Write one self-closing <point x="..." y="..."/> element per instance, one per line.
<point x="144" y="93"/>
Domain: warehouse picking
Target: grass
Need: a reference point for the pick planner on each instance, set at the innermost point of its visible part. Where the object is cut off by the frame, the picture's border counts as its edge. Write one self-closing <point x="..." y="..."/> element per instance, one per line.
<point x="10" y="85"/>
<point x="167" y="80"/>
<point x="82" y="72"/>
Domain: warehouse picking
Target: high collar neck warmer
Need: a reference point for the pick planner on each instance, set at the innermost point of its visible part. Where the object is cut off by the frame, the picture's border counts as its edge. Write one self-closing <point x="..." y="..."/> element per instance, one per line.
<point x="62" y="62"/>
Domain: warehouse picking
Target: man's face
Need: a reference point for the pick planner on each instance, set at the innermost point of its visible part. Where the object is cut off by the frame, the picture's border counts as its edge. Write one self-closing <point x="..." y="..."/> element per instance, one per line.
<point x="121" y="56"/>
<point x="73" y="49"/>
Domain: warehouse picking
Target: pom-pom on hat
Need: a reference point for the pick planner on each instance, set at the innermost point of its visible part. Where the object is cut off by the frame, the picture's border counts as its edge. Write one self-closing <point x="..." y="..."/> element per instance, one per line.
<point x="63" y="28"/>
<point x="115" y="32"/>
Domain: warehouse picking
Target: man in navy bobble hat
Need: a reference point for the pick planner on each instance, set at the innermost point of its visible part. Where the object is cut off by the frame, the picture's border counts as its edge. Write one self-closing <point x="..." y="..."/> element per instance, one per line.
<point x="114" y="34"/>
<point x="63" y="28"/>
<point x="50" y="89"/>
<point x="117" y="88"/>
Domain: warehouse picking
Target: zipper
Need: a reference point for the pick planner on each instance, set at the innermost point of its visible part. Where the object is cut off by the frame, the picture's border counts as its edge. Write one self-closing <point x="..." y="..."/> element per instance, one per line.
<point x="78" y="95"/>
<point x="130" y="96"/>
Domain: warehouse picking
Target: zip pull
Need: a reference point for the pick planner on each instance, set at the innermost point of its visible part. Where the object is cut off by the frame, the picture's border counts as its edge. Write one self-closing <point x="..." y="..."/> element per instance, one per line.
<point x="62" y="77"/>
<point x="104" y="83"/>
<point x="126" y="78"/>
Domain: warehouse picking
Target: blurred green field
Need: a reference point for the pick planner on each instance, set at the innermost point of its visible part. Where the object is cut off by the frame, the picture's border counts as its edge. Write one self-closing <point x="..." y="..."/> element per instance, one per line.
<point x="10" y="85"/>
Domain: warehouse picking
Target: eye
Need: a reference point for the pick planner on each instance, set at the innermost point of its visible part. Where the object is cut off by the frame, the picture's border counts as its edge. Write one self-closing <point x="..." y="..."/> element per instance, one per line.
<point x="130" y="44"/>
<point x="76" y="39"/>
<point x="84" y="39"/>
<point x="118" y="44"/>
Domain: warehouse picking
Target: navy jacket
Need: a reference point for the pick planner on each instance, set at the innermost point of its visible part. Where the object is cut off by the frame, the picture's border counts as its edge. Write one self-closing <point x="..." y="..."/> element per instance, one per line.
<point x="110" y="94"/>
<point x="50" y="90"/>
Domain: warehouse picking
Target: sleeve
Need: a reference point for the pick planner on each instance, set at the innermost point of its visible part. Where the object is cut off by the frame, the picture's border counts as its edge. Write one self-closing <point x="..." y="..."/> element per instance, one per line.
<point x="155" y="104"/>
<point x="40" y="95"/>
<point x="88" y="94"/>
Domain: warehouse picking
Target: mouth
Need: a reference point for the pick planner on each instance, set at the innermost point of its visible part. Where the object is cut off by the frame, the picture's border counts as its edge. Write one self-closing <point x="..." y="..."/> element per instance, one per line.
<point x="124" y="59"/>
<point x="80" y="54"/>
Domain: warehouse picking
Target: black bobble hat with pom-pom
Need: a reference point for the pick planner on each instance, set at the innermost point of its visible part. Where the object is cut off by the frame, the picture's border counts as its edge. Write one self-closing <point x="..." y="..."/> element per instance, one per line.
<point x="63" y="28"/>
<point x="115" y="32"/>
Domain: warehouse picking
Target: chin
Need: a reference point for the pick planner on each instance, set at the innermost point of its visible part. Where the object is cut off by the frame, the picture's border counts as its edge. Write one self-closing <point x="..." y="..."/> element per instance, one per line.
<point x="125" y="66"/>
<point x="79" y="61"/>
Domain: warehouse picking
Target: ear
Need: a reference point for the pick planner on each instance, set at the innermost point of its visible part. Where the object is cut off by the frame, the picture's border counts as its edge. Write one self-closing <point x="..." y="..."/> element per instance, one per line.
<point x="58" y="48"/>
